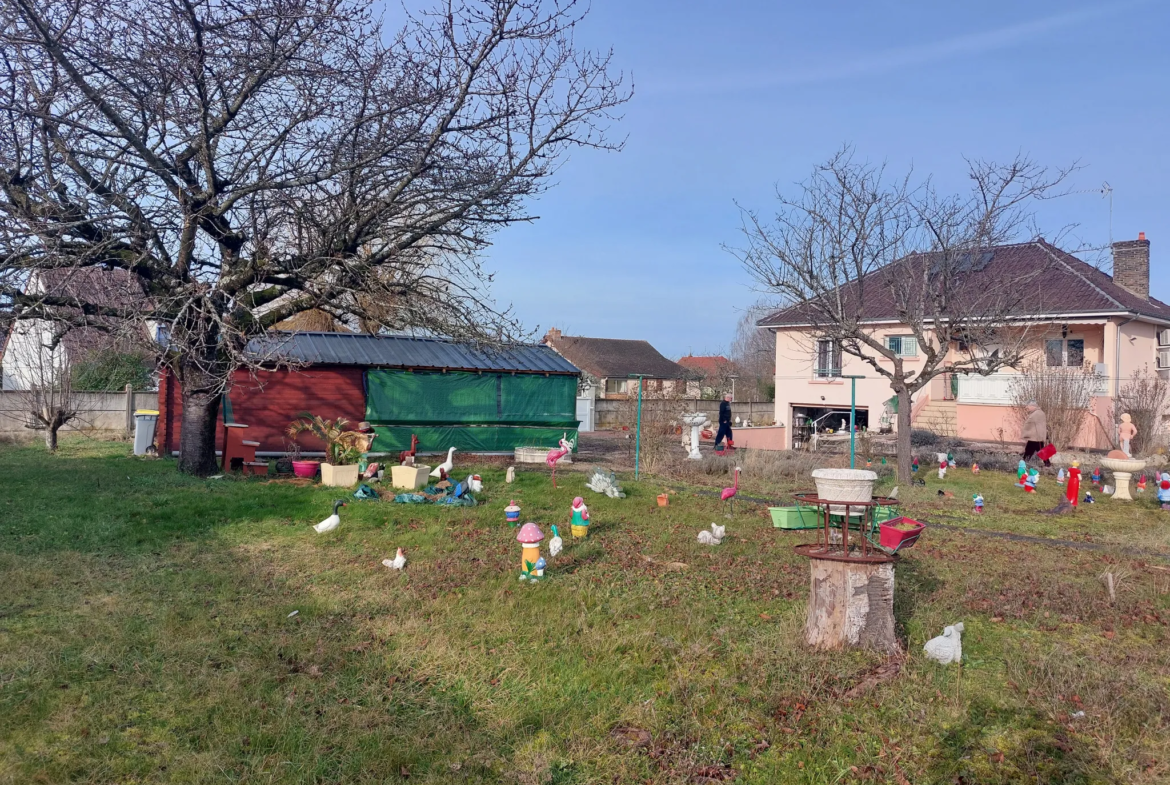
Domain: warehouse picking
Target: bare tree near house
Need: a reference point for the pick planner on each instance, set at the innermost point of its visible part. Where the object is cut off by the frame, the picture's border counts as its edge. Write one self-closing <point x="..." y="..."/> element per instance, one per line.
<point x="246" y="161"/>
<point x="46" y="400"/>
<point x="1065" y="395"/>
<point x="1144" y="396"/>
<point x="754" y="354"/>
<point x="852" y="237"/>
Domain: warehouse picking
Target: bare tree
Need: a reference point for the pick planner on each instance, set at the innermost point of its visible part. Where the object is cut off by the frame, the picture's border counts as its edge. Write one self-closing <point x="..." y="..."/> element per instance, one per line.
<point x="41" y="368"/>
<point x="248" y="160"/>
<point x="1144" y="397"/>
<point x="855" y="241"/>
<point x="754" y="353"/>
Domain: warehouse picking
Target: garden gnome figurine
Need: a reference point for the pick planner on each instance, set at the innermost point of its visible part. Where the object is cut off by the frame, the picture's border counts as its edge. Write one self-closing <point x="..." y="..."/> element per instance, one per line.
<point x="977" y="500"/>
<point x="1021" y="473"/>
<point x="1141" y="484"/>
<point x="1031" y="480"/>
<point x="1164" y="491"/>
<point x="914" y="464"/>
<point x="1126" y="433"/>
<point x="1060" y="476"/>
<point x="580" y="524"/>
<point x="942" y="468"/>
<point x="951" y="460"/>
<point x="529" y="538"/>
<point x="974" y="468"/>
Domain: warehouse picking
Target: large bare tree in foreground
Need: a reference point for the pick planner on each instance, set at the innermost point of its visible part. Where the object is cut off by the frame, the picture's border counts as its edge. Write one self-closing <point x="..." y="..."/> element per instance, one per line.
<point x="853" y="241"/>
<point x="247" y="160"/>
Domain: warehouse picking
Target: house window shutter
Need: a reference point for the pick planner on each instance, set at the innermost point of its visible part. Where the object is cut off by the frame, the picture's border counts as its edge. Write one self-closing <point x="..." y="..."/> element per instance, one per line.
<point x="909" y="346"/>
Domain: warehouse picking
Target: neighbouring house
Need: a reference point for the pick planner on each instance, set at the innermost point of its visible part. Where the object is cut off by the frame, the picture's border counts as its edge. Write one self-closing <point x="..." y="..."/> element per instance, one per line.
<point x="35" y="350"/>
<point x="610" y="367"/>
<point x="1079" y="317"/>
<point x="716" y="373"/>
<point x="448" y="393"/>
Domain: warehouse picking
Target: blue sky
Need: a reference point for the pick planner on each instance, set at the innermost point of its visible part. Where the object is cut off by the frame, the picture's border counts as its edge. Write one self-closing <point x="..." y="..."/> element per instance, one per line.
<point x="733" y="99"/>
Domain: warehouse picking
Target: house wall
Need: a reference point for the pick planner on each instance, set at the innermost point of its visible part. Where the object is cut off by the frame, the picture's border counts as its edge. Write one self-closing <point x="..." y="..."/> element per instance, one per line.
<point x="27" y="362"/>
<point x="268" y="402"/>
<point x="654" y="388"/>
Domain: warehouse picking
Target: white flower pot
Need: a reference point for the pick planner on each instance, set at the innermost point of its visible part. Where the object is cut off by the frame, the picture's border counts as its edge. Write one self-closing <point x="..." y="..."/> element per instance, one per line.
<point x="409" y="477"/>
<point x="340" y="476"/>
<point x="844" y="485"/>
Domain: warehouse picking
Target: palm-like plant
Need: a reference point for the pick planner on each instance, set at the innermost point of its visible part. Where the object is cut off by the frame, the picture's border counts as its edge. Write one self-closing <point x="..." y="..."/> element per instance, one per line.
<point x="342" y="447"/>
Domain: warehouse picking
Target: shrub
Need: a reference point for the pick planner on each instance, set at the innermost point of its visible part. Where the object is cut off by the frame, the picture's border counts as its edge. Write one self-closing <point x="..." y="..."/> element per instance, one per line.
<point x="1063" y="394"/>
<point x="109" y="370"/>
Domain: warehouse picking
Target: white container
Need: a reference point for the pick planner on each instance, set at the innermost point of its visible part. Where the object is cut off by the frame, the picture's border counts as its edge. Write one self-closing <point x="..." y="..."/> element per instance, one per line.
<point x="339" y="476"/>
<point x="409" y="477"/>
<point x="844" y="485"/>
<point x="536" y="455"/>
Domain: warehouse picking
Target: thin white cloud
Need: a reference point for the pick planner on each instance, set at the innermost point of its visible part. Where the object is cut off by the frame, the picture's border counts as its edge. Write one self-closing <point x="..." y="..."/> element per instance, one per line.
<point x="894" y="59"/>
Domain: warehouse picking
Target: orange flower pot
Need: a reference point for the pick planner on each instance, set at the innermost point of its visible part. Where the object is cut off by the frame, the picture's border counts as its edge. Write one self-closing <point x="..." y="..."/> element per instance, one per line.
<point x="663" y="500"/>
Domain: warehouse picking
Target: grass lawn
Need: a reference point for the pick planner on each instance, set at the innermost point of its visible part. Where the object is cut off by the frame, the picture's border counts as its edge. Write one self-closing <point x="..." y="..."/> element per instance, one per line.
<point x="146" y="636"/>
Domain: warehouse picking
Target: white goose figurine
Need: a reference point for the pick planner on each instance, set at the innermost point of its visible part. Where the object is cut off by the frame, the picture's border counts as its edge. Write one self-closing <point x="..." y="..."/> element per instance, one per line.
<point x="948" y="647"/>
<point x="446" y="466"/>
<point x="332" y="522"/>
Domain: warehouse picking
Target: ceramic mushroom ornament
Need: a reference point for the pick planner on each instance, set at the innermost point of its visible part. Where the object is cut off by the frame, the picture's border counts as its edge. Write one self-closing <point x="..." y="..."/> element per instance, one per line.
<point x="531" y="564"/>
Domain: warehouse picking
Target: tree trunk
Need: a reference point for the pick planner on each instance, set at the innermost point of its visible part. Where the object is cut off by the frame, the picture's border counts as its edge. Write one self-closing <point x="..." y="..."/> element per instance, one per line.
<point x="905" y="448"/>
<point x="51" y="437"/>
<point x="197" y="438"/>
<point x="851" y="605"/>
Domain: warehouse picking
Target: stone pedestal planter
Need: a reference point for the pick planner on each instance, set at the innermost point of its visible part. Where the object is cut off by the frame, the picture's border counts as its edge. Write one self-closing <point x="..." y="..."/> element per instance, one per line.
<point x="1123" y="469"/>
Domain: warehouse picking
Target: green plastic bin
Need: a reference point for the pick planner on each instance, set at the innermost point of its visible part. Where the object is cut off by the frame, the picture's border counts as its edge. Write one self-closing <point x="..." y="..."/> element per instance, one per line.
<point x="795" y="517"/>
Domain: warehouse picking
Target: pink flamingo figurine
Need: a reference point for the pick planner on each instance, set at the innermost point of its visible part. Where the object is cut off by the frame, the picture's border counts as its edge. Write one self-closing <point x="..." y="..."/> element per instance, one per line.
<point x="728" y="494"/>
<point x="555" y="455"/>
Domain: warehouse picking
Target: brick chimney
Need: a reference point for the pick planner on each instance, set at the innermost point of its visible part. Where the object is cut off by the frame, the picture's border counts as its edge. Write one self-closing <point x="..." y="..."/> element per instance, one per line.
<point x="1131" y="265"/>
<point x="553" y="333"/>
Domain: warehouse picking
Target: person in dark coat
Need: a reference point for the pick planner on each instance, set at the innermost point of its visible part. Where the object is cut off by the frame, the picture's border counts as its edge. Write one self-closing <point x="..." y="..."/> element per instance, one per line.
<point x="724" y="423"/>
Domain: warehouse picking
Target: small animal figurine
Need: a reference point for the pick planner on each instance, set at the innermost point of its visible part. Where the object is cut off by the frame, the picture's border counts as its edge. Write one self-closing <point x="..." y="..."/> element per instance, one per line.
<point x="555" y="544"/>
<point x="1096" y="476"/>
<point x="398" y="562"/>
<point x="1074" y="484"/>
<point x="580" y="521"/>
<point x="474" y="483"/>
<point x="974" y="468"/>
<point x="443" y="470"/>
<point x="1164" y="491"/>
<point x="728" y="494"/>
<point x="713" y="537"/>
<point x="948" y="647"/>
<point x="333" y="521"/>
<point x="554" y="456"/>
<point x="1060" y="476"/>
<point x="510" y="477"/>
<point x="402" y="456"/>
<point x="1021" y="473"/>
<point x="1141" y="484"/>
<point x="914" y="464"/>
<point x="977" y="500"/>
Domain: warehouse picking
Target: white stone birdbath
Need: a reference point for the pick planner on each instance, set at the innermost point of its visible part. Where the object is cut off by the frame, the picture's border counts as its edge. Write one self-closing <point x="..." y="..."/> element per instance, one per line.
<point x="695" y="421"/>
<point x="1123" y="469"/>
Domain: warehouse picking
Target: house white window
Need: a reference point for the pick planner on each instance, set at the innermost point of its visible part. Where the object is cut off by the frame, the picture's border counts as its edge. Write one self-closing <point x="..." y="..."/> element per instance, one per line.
<point x="1069" y="353"/>
<point x="617" y="385"/>
<point x="902" y="345"/>
<point x="828" y="359"/>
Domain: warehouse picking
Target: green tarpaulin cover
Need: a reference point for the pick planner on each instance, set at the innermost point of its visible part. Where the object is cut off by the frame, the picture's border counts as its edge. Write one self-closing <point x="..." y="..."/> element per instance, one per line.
<point x="423" y="398"/>
<point x="474" y="438"/>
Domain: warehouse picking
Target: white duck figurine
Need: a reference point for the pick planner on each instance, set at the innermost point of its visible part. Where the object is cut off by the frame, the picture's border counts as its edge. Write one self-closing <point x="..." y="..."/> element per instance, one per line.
<point x="446" y="466"/>
<point x="713" y="537"/>
<point x="948" y="647"/>
<point x="332" y="522"/>
<point x="398" y="562"/>
<point x="475" y="483"/>
<point x="556" y="543"/>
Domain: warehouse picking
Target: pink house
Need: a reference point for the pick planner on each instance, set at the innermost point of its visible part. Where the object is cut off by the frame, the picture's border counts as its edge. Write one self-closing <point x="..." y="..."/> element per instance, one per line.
<point x="1079" y="317"/>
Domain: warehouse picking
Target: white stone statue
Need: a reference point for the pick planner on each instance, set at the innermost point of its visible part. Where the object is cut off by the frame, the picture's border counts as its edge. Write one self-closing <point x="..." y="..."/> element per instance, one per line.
<point x="948" y="647"/>
<point x="696" y="421"/>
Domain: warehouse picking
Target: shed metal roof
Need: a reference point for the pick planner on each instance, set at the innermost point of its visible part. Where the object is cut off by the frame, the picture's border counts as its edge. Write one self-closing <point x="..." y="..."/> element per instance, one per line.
<point x="401" y="351"/>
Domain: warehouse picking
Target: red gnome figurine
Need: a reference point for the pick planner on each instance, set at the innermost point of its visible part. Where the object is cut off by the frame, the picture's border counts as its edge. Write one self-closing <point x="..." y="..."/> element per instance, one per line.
<point x="1074" y="484"/>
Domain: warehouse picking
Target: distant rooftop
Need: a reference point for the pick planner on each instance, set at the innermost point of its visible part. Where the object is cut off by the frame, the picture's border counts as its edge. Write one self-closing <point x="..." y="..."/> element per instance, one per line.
<point x="610" y="358"/>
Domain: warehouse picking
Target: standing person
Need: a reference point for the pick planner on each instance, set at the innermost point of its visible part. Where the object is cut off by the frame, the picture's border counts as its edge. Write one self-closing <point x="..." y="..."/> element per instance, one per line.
<point x="1034" y="431"/>
<point x="724" y="423"/>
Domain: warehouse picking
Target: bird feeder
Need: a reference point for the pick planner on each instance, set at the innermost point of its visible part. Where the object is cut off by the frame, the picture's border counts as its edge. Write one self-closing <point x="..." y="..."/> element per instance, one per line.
<point x="529" y="538"/>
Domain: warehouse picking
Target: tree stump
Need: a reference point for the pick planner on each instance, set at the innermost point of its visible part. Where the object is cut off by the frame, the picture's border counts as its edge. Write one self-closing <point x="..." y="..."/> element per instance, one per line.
<point x="851" y="604"/>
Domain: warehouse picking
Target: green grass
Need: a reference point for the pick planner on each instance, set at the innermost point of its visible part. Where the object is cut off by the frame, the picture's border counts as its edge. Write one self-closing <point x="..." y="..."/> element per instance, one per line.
<point x="145" y="636"/>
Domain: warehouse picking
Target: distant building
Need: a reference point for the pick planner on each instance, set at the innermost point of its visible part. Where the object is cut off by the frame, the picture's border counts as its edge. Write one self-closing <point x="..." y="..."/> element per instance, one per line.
<point x="607" y="365"/>
<point x="717" y="373"/>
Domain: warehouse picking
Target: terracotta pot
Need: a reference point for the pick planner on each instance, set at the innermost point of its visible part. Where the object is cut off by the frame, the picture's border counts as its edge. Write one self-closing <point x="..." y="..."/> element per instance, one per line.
<point x="663" y="500"/>
<point x="306" y="469"/>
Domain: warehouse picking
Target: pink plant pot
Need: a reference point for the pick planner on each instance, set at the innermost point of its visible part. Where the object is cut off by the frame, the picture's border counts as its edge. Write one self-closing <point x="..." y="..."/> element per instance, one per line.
<point x="306" y="469"/>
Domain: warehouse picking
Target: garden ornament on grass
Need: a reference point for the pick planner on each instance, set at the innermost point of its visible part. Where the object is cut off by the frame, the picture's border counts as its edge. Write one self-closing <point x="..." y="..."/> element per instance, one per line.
<point x="728" y="495"/>
<point x="554" y="456"/>
<point x="580" y="518"/>
<point x="605" y="482"/>
<point x="1060" y="476"/>
<point x="1127" y="432"/>
<point x="1089" y="498"/>
<point x="948" y="647"/>
<point x="1141" y="483"/>
<point x="1021" y="473"/>
<point x="951" y="461"/>
<point x="1164" y="491"/>
<point x="529" y="538"/>
<point x="914" y="464"/>
<point x="942" y="469"/>
<point x="555" y="544"/>
<point x="398" y="562"/>
<point x="1096" y="477"/>
<point x="1074" y="484"/>
<point x="977" y="500"/>
<point x="474" y="483"/>
<point x="443" y="470"/>
<point x="1031" y="480"/>
<point x="333" y="521"/>
<point x="974" y="468"/>
<point x="512" y="513"/>
<point x="510" y="477"/>
<point x="713" y="537"/>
